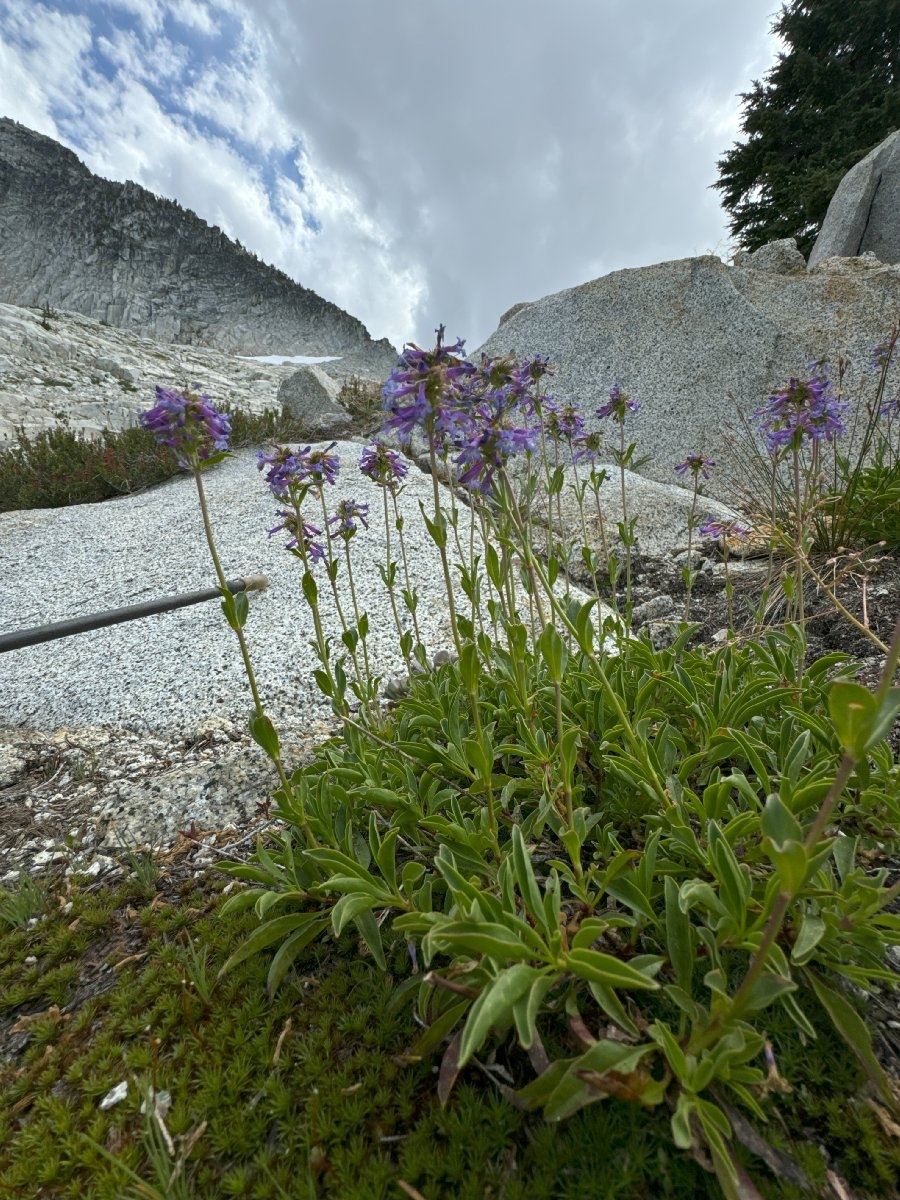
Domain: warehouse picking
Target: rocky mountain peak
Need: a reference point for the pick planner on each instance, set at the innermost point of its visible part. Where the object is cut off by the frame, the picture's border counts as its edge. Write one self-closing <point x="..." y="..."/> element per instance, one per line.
<point x="120" y="254"/>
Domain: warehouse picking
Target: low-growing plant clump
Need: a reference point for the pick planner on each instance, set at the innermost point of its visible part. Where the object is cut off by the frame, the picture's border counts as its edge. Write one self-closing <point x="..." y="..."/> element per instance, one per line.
<point x="605" y="876"/>
<point x="58" y="467"/>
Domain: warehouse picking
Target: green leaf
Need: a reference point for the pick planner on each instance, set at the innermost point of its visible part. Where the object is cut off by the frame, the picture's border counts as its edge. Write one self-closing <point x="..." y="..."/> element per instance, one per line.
<point x="494" y="1006"/>
<point x="734" y="885"/>
<point x="526" y="1008"/>
<point x="525" y="880"/>
<point x="469" y="665"/>
<point x="779" y="823"/>
<point x="859" y="719"/>
<point x="853" y="709"/>
<point x="429" y="1039"/>
<point x="310" y="589"/>
<point x="264" y="734"/>
<point x="269" y="933"/>
<point x="554" y="653"/>
<point x="371" y="935"/>
<point x="812" y="930"/>
<point x="679" y="938"/>
<point x="288" y="951"/>
<point x="793" y="865"/>
<point x="848" y="1023"/>
<point x="492" y="566"/>
<point x="597" y="967"/>
<point x="471" y="938"/>
<point x="348" y="909"/>
<point x="767" y="989"/>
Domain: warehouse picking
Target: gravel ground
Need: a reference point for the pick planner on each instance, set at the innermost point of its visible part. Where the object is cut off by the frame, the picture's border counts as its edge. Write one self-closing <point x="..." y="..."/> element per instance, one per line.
<point x="167" y="672"/>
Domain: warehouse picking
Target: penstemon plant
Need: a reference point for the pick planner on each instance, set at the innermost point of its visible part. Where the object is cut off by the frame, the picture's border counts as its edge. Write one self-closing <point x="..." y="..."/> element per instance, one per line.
<point x="618" y="405"/>
<point x="621" y="859"/>
<point x="696" y="466"/>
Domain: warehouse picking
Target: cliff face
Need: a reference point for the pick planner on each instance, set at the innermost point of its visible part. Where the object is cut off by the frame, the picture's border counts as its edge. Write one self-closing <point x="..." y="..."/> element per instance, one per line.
<point x="117" y="253"/>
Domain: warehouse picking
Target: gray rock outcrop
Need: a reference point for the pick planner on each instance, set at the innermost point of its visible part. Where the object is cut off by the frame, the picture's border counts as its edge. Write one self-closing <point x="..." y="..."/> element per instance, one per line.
<point x="695" y="340"/>
<point x="93" y="377"/>
<point x="864" y="213"/>
<point x="312" y="396"/>
<point x="117" y="253"/>
<point x="781" y="257"/>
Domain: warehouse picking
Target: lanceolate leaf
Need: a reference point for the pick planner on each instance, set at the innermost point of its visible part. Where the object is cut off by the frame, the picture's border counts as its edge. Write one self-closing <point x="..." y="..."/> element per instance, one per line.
<point x="495" y="1005"/>
<point x="597" y="967"/>
<point x="852" y="1029"/>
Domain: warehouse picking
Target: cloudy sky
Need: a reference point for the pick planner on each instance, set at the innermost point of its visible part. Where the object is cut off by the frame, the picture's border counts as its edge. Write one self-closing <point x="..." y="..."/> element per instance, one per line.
<point x="414" y="162"/>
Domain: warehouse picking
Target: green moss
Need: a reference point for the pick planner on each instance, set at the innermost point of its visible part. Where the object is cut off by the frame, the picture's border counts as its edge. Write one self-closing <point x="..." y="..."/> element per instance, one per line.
<point x="341" y="1115"/>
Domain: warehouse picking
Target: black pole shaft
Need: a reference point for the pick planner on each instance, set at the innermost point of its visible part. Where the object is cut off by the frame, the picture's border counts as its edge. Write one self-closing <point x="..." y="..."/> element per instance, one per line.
<point x="114" y="616"/>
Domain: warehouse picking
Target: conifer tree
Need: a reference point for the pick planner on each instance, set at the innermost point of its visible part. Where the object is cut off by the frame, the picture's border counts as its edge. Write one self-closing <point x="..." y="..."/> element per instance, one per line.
<point x="832" y="96"/>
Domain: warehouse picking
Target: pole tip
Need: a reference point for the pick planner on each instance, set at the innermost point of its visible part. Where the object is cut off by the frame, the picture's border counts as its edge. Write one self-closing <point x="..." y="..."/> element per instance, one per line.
<point x="255" y="583"/>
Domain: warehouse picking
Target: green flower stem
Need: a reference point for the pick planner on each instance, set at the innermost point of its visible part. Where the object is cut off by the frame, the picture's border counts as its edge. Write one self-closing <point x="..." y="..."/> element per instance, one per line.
<point x="567" y="782"/>
<point x="524" y="541"/>
<point x="800" y="534"/>
<point x="636" y="744"/>
<point x="356" y="613"/>
<point x="441" y="520"/>
<point x="483" y="523"/>
<point x="390" y="587"/>
<point x="625" y="524"/>
<point x="689" y="578"/>
<point x="331" y="571"/>
<point x="398" y="525"/>
<point x="242" y="641"/>
<point x="321" y="643"/>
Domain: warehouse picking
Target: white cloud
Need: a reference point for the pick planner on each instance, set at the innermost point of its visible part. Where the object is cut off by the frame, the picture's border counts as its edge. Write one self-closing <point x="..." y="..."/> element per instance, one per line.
<point x="452" y="167"/>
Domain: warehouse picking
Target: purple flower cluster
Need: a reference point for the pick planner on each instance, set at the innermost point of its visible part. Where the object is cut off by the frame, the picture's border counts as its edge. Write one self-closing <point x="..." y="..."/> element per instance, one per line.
<point x="696" y="464"/>
<point x="618" y="405"/>
<point x="488" y="449"/>
<point x="383" y="465"/>
<point x="297" y="470"/>
<point x="883" y="354"/>
<point x="804" y="411"/>
<point x="562" y="421"/>
<point x="587" y="448"/>
<point x="346" y="514"/>
<point x="482" y="412"/>
<point x="422" y="387"/>
<point x="302" y="535"/>
<point x="733" y="530"/>
<point x="188" y="423"/>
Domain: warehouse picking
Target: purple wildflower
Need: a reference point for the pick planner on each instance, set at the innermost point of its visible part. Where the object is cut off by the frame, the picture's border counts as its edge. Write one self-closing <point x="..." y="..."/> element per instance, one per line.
<point x="302" y="535"/>
<point x="489" y="449"/>
<point x="618" y="405"/>
<point x="805" y="410"/>
<point x="562" y="421"/>
<point x="424" y="387"/>
<point x="587" y="448"/>
<point x="383" y="465"/>
<point x="696" y="464"/>
<point x="293" y="470"/>
<point x="883" y="354"/>
<point x="890" y="408"/>
<point x="346" y="514"/>
<point x="534" y="369"/>
<point x="188" y="423"/>
<point x="733" y="529"/>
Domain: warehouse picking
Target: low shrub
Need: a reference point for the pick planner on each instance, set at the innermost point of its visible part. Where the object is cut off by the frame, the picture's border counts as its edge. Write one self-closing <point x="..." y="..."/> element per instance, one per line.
<point x="58" y="467"/>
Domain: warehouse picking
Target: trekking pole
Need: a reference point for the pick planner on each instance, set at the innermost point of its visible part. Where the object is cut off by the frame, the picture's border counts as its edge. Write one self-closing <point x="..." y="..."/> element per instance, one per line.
<point x="114" y="616"/>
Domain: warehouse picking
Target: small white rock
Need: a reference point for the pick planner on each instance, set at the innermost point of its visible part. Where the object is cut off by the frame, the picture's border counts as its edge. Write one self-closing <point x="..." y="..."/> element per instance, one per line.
<point x="115" y="1095"/>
